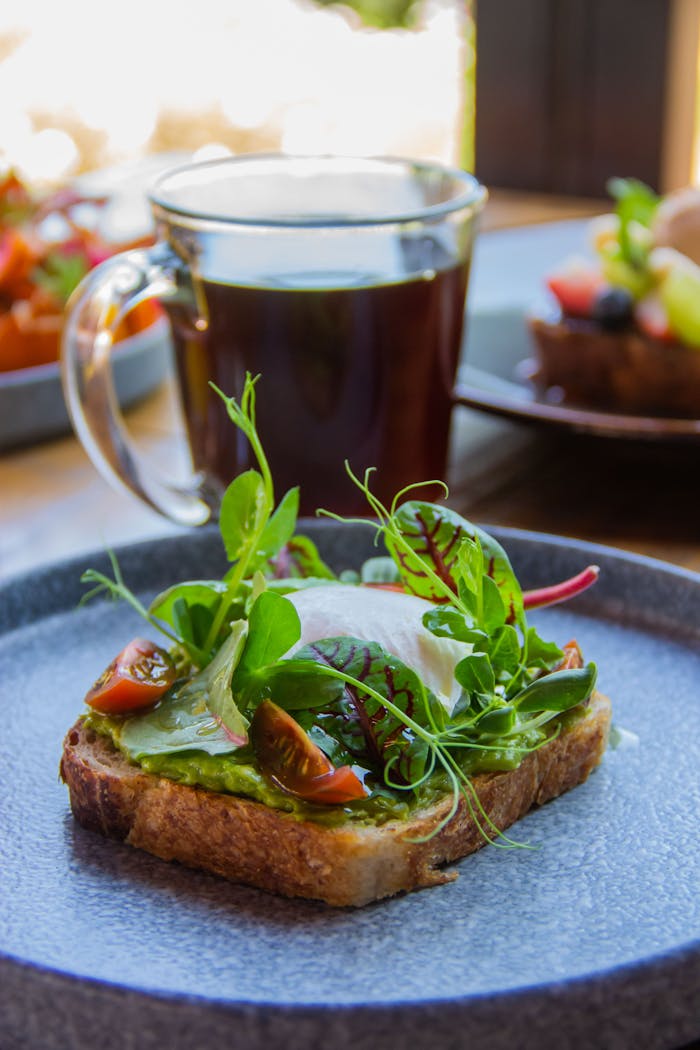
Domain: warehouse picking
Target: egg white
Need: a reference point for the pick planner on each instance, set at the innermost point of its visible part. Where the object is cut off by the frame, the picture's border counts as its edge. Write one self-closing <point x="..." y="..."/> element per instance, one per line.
<point x="392" y="619"/>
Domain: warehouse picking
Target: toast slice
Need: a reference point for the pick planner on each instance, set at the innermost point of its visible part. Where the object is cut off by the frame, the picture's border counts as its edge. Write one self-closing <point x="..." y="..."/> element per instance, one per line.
<point x="350" y="865"/>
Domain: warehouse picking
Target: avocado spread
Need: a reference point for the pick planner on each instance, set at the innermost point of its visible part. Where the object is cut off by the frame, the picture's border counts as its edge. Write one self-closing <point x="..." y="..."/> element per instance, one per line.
<point x="158" y="742"/>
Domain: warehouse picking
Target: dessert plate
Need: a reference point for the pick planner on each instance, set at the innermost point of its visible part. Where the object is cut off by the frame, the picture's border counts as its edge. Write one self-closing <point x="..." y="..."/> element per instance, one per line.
<point x="508" y="271"/>
<point x="591" y="938"/>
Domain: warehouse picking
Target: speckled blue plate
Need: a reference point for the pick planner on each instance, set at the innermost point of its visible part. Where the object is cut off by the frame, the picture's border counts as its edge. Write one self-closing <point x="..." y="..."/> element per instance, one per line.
<point x="592" y="939"/>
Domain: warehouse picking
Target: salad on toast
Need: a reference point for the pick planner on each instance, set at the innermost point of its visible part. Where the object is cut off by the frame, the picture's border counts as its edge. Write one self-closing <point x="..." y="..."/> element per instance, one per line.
<point x="334" y="736"/>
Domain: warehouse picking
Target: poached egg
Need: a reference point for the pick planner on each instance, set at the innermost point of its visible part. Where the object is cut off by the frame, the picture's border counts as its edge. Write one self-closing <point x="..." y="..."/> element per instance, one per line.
<point x="390" y="618"/>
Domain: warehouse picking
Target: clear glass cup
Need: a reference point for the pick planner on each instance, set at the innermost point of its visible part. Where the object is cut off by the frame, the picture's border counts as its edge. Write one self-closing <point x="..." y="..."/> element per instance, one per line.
<point x="340" y="281"/>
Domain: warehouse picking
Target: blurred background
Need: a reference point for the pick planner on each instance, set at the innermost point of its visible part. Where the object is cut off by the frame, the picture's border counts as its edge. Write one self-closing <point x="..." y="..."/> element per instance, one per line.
<point x="83" y="90"/>
<point x="570" y="92"/>
<point x="564" y="91"/>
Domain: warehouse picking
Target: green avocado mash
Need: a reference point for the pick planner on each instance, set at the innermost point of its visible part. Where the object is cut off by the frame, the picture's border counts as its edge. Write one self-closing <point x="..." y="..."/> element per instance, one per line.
<point x="233" y="771"/>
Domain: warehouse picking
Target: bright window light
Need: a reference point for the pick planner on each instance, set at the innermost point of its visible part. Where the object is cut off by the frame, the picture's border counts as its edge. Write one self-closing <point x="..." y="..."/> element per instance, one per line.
<point x="80" y="92"/>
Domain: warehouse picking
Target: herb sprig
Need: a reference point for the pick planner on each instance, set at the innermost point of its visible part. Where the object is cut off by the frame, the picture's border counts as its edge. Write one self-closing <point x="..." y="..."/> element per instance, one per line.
<point x="117" y="590"/>
<point x="196" y="615"/>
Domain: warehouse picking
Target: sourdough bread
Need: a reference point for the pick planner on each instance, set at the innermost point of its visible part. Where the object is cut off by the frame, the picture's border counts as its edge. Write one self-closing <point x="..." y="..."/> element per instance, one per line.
<point x="348" y="865"/>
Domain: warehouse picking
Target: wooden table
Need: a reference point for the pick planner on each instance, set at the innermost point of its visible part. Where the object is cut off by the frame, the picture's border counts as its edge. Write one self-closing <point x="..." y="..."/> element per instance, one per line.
<point x="640" y="497"/>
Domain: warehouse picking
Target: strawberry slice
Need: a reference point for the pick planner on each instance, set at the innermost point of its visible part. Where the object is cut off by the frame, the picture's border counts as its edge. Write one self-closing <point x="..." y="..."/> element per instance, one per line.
<point x="576" y="288"/>
<point x="650" y="314"/>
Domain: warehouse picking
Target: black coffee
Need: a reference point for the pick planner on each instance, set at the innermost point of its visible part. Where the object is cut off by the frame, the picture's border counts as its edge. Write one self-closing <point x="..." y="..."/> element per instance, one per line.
<point x="361" y="372"/>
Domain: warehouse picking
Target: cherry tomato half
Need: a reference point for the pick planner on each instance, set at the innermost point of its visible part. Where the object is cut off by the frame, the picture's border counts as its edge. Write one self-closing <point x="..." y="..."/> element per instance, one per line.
<point x="572" y="656"/>
<point x="295" y="763"/>
<point x="136" y="679"/>
<point x="335" y="788"/>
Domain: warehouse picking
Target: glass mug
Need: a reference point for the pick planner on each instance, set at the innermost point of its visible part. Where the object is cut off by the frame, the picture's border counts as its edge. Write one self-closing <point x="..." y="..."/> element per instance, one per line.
<point x="340" y="281"/>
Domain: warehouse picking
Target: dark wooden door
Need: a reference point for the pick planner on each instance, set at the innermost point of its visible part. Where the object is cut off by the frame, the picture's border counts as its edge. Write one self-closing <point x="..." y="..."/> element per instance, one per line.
<point x="570" y="92"/>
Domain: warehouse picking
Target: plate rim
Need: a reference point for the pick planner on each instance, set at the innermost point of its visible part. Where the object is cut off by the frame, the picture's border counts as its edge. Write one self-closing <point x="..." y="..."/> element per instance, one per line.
<point x="12" y="586"/>
<point x="130" y="347"/>
<point x="581" y="420"/>
<point x="678" y="955"/>
<point x="32" y="402"/>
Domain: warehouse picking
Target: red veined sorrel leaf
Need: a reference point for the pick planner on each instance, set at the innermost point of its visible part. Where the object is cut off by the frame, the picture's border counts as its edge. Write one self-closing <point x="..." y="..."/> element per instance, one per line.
<point x="370" y="733"/>
<point x="299" y="559"/>
<point x="435" y="534"/>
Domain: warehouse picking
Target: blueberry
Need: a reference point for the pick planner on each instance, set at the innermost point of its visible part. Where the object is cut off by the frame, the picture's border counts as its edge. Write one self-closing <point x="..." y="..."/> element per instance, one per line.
<point x="613" y="307"/>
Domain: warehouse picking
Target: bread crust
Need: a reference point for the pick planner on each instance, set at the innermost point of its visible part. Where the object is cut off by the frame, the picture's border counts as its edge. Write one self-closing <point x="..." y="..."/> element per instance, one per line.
<point x="248" y="842"/>
<point x="625" y="371"/>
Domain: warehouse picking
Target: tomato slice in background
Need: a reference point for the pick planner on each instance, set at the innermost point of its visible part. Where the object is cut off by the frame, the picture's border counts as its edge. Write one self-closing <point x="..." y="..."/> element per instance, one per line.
<point x="135" y="679"/>
<point x="12" y="345"/>
<point x="18" y="257"/>
<point x="295" y="763"/>
<point x="399" y="587"/>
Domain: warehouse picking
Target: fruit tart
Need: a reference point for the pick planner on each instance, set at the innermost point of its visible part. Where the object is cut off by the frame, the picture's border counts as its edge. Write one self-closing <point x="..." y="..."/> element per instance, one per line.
<point x="622" y="330"/>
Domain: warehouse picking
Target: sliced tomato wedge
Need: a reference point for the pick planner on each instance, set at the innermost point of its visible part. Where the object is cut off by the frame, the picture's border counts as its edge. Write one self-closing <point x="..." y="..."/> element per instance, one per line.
<point x="572" y="656"/>
<point x="135" y="679"/>
<point x="295" y="764"/>
<point x="335" y="788"/>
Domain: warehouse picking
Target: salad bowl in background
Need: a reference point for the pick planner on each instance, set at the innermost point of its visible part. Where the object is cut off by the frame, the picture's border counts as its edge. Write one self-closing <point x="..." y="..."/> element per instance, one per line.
<point x="48" y="242"/>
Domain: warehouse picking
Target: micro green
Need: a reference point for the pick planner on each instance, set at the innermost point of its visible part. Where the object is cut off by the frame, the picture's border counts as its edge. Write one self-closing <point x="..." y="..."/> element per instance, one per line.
<point x="117" y="590"/>
<point x="61" y="272"/>
<point x="246" y="508"/>
<point x="258" y="538"/>
<point x="634" y="203"/>
<point x="237" y="640"/>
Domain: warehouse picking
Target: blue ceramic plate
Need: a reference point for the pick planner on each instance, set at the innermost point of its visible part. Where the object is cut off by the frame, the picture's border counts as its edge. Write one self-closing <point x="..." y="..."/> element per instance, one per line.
<point x="591" y="939"/>
<point x="506" y="284"/>
<point x="32" y="408"/>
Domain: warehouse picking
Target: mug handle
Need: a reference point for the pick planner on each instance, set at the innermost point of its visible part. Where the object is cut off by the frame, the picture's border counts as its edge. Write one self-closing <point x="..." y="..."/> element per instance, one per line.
<point x="94" y="313"/>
